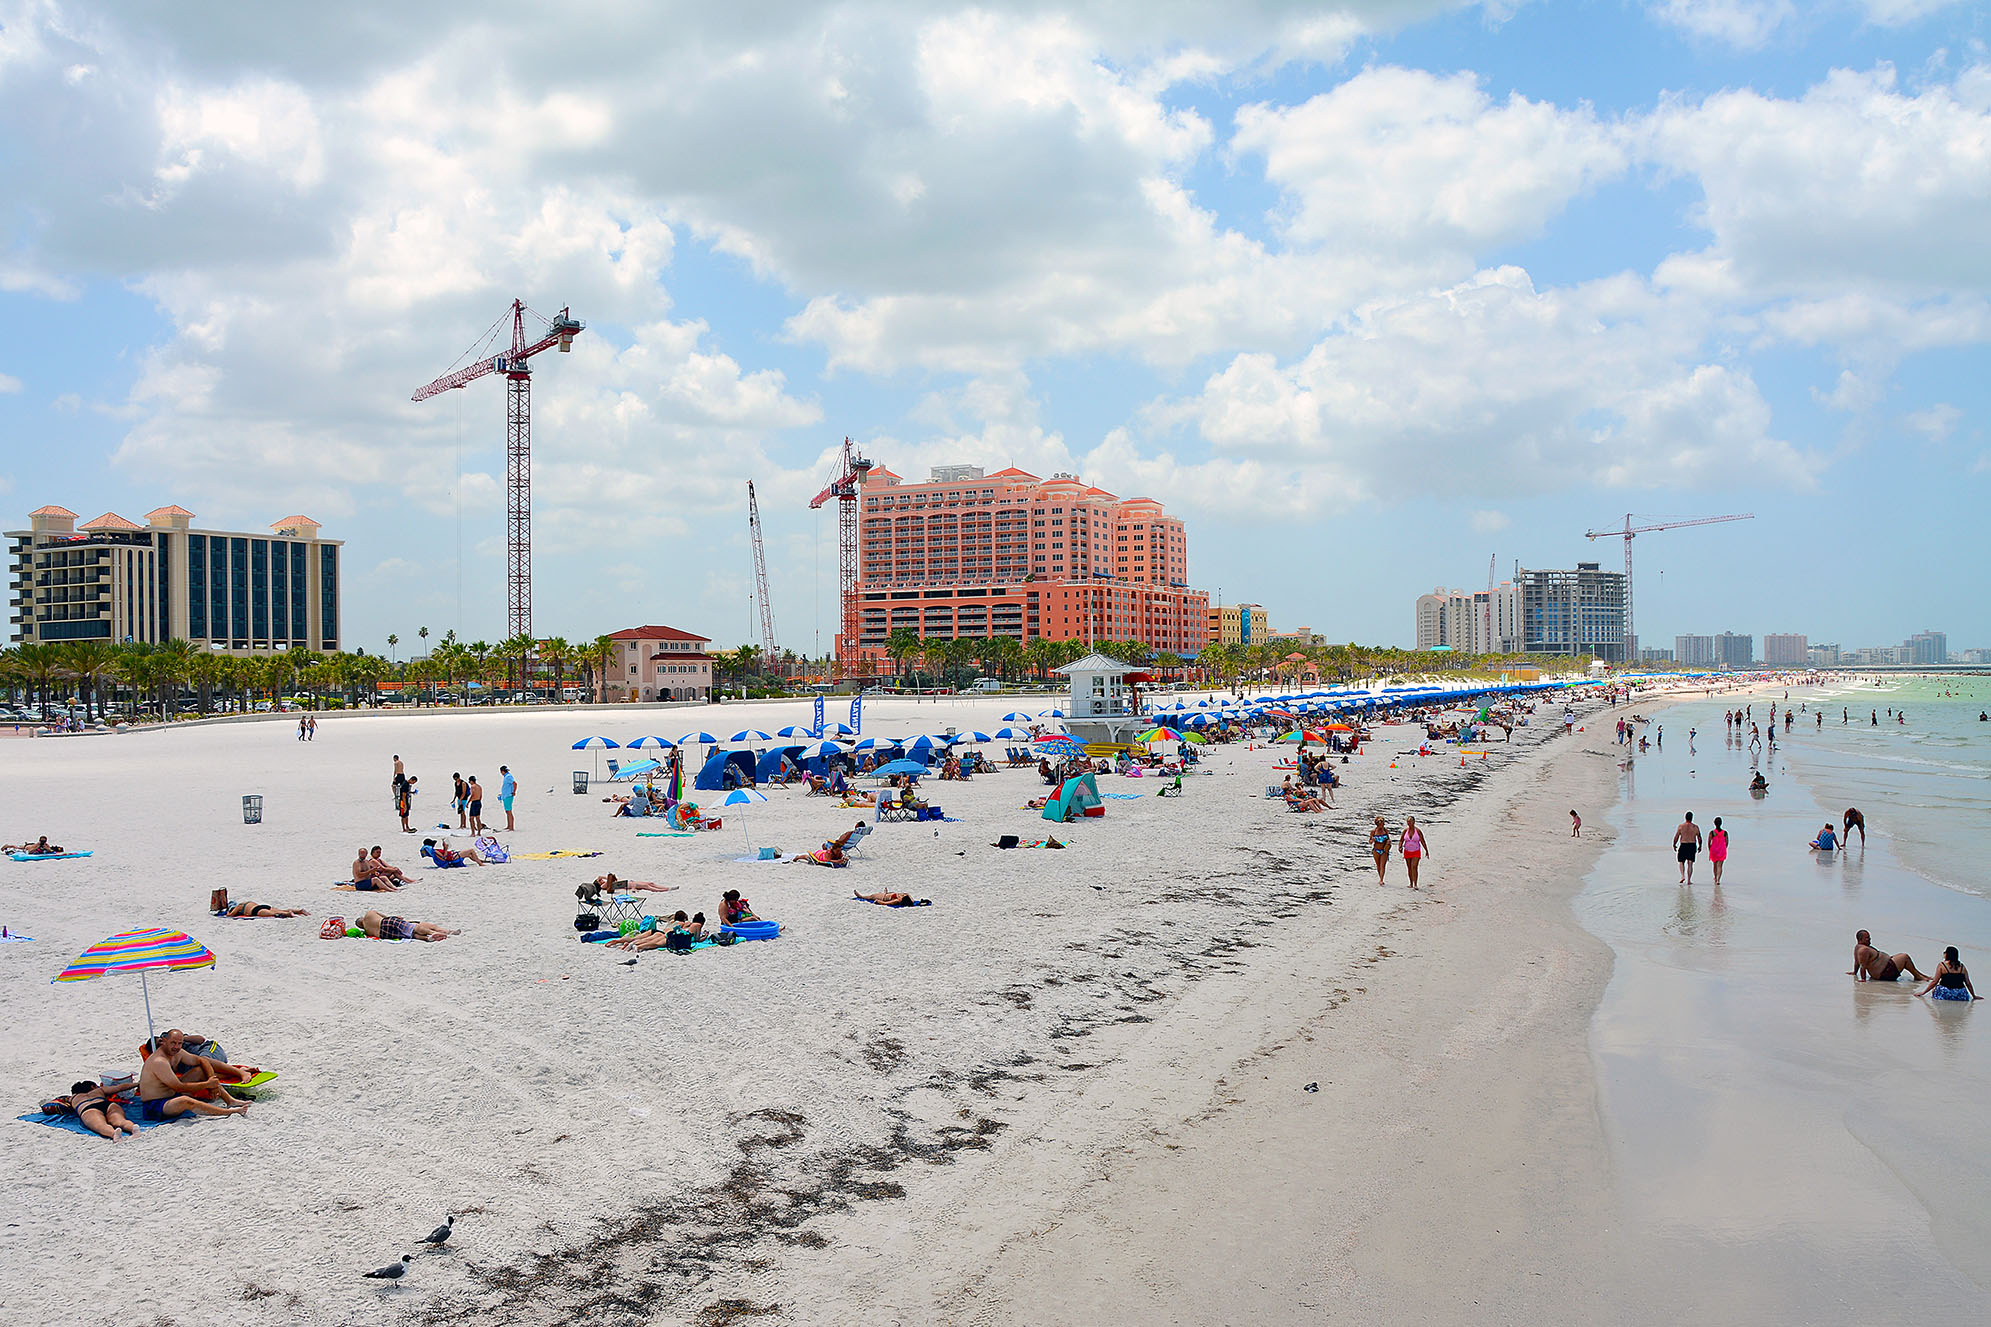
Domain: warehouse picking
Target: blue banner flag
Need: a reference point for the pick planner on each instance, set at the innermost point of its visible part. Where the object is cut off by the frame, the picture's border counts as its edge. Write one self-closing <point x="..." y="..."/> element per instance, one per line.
<point x="857" y="714"/>
<point x="819" y="717"/>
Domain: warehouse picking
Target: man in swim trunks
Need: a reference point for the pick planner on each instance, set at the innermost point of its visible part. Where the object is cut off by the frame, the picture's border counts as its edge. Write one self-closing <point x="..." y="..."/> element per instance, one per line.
<point x="163" y="1094"/>
<point x="1869" y="964"/>
<point x="364" y="876"/>
<point x="507" y="789"/>
<point x="476" y="794"/>
<point x="1854" y="820"/>
<point x="1686" y="847"/>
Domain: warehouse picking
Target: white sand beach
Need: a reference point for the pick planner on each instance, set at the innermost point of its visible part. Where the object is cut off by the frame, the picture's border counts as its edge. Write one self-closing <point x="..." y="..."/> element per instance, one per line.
<point x="1073" y="1089"/>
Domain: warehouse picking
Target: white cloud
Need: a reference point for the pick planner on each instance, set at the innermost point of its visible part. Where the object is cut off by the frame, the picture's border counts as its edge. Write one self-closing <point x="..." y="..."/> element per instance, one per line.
<point x="1744" y="24"/>
<point x="9" y="384"/>
<point x="1489" y="522"/>
<point x="1936" y="423"/>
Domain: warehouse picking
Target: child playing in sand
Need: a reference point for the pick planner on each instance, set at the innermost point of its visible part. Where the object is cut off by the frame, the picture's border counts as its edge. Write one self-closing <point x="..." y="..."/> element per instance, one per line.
<point x="1575" y="825"/>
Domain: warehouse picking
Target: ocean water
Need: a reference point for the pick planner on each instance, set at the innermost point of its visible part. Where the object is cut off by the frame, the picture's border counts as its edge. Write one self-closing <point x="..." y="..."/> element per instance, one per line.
<point x="1775" y="1125"/>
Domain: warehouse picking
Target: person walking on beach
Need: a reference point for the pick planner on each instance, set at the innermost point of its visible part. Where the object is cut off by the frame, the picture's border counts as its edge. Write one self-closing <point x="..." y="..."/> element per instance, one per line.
<point x="1717" y="849"/>
<point x="507" y="789"/>
<point x="311" y="728"/>
<point x="475" y="791"/>
<point x="1686" y="847"/>
<point x="1575" y="825"/>
<point x="1379" y="848"/>
<point x="300" y="730"/>
<point x="1414" y="847"/>
<point x="1869" y="964"/>
<point x="1853" y="820"/>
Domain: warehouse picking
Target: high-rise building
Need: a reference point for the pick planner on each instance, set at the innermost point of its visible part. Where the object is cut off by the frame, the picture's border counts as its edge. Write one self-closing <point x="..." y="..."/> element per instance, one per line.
<point x="1822" y="656"/>
<point x="1009" y="554"/>
<point x="1471" y="621"/>
<point x="115" y="580"/>
<point x="1239" y="624"/>
<point x="1695" y="650"/>
<point x="1733" y="651"/>
<point x="1786" y="651"/>
<point x="1927" y="647"/>
<point x="1653" y="654"/>
<point x="1575" y="612"/>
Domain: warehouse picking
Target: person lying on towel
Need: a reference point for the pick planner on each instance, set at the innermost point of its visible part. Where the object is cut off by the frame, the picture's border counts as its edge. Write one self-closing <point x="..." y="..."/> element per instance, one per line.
<point x="892" y="899"/>
<point x="831" y="856"/>
<point x="41" y="847"/>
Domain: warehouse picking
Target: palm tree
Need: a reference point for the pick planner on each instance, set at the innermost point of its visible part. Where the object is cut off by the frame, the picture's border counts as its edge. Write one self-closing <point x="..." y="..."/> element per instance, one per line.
<point x="392" y="641"/>
<point x="86" y="661"/>
<point x="517" y="650"/>
<point x="556" y="653"/>
<point x="601" y="653"/>
<point x="900" y="646"/>
<point x="423" y="634"/>
<point x="38" y="664"/>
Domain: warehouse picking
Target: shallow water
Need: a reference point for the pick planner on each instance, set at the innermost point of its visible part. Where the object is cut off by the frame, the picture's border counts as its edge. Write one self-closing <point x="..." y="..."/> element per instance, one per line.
<point x="1769" y="1117"/>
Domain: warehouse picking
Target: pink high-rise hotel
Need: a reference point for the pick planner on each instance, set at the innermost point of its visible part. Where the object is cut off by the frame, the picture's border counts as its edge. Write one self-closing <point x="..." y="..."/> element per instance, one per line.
<point x="1009" y="554"/>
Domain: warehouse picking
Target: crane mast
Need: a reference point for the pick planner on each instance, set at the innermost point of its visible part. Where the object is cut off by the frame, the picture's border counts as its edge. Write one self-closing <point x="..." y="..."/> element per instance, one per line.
<point x="768" y="651"/>
<point x="564" y="327"/>
<point x="1628" y="532"/>
<point x="851" y="469"/>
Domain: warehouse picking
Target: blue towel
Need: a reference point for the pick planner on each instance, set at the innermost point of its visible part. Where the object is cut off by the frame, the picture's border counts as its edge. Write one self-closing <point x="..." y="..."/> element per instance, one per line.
<point x="1122" y="797"/>
<point x="70" y="1124"/>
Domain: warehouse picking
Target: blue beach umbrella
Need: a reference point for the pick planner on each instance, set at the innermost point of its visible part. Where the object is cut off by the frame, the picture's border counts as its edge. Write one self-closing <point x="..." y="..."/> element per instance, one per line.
<point x="743" y="797"/>
<point x="974" y="737"/>
<point x="1051" y="714"/>
<point x="1014" y="717"/>
<point x="919" y="746"/>
<point x="900" y="767"/>
<point x="750" y="735"/>
<point x="876" y="744"/>
<point x="825" y="750"/>
<point x="599" y="743"/>
<point x="1011" y="734"/>
<point x="840" y="729"/>
<point x="661" y="742"/>
<point x="698" y="739"/>
<point x="792" y="731"/>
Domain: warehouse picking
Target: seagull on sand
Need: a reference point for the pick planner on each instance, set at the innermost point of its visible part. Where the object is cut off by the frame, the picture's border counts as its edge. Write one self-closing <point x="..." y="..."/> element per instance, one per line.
<point x="394" y="1271"/>
<point x="440" y="1235"/>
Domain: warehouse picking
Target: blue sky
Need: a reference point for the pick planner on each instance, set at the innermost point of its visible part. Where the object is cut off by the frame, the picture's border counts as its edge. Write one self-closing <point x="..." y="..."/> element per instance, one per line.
<point x="1368" y="293"/>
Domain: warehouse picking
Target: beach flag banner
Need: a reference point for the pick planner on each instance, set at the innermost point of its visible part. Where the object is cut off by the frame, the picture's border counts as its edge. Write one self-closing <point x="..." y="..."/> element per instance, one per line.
<point x="819" y="717"/>
<point x="857" y="714"/>
<point x="143" y="952"/>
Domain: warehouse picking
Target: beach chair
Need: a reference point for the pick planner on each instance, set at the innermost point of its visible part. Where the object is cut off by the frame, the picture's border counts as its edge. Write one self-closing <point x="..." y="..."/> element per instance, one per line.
<point x="893" y="814"/>
<point x="614" y="768"/>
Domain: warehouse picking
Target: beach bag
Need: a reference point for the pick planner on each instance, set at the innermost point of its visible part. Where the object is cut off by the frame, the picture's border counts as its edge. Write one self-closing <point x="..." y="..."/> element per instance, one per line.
<point x="587" y="921"/>
<point x="333" y="928"/>
<point x="679" y="942"/>
<point x="217" y="900"/>
<point x="1008" y="841"/>
<point x="396" y="928"/>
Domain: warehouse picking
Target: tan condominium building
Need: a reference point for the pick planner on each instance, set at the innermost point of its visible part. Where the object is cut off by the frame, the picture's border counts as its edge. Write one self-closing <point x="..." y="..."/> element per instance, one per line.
<point x="114" y="580"/>
<point x="659" y="663"/>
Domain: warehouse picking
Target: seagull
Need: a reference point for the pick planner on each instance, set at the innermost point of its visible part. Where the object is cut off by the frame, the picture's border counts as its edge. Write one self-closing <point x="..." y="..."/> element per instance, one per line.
<point x="440" y="1235"/>
<point x="394" y="1271"/>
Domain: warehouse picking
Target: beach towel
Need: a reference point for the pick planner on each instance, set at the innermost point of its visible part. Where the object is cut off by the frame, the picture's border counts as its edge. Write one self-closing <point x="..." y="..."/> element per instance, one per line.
<point x="70" y="1124"/>
<point x="549" y="856"/>
<point x="1122" y="797"/>
<point x="656" y="834"/>
<point x="14" y="939"/>
<point x="916" y="903"/>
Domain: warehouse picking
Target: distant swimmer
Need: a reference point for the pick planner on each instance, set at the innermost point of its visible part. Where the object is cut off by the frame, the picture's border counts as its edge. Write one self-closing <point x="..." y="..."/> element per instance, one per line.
<point x="1686" y="847"/>
<point x="1827" y="840"/>
<point x="1869" y="964"/>
<point x="1854" y="820"/>
<point x="1982" y="717"/>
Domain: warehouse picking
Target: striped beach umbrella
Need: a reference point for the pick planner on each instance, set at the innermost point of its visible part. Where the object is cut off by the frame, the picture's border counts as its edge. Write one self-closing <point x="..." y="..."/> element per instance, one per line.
<point x="793" y="731"/>
<point x="1015" y="717"/>
<point x="147" y="951"/>
<point x="743" y="797"/>
<point x="698" y="739"/>
<point x="750" y="735"/>
<point x="642" y="742"/>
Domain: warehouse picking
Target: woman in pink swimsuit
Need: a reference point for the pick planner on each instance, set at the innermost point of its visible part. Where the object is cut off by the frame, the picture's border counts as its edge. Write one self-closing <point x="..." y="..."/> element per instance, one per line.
<point x="1413" y="846"/>
<point x="1717" y="848"/>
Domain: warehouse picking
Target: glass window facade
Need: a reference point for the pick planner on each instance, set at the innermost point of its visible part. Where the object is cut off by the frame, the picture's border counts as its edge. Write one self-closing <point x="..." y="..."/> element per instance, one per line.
<point x="328" y="592"/>
<point x="300" y="621"/>
<point x="280" y="598"/>
<point x="259" y="588"/>
<point x="238" y="590"/>
<point x="217" y="588"/>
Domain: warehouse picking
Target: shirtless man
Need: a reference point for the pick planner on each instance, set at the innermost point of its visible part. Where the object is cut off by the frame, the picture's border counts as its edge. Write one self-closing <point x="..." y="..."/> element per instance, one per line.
<point x="1686" y="847"/>
<point x="475" y="791"/>
<point x="163" y="1094"/>
<point x="1869" y="964"/>
<point x="363" y="876"/>
<point x="1853" y="820"/>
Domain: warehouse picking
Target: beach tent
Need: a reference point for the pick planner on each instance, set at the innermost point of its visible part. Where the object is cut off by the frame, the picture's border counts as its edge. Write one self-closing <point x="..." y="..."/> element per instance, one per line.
<point x="1075" y="798"/>
<point x="770" y="764"/>
<point x="712" y="777"/>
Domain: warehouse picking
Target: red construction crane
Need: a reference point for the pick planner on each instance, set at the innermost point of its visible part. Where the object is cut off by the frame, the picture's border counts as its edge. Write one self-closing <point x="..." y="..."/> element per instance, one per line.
<point x="518" y="441"/>
<point x="770" y="657"/>
<point x="1627" y="532"/>
<point x="851" y="469"/>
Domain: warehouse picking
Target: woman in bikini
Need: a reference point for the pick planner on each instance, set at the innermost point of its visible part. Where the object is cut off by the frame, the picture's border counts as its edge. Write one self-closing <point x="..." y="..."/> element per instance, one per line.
<point x="892" y="899"/>
<point x="97" y="1109"/>
<point x="249" y="908"/>
<point x="1379" y="848"/>
<point x="1413" y="846"/>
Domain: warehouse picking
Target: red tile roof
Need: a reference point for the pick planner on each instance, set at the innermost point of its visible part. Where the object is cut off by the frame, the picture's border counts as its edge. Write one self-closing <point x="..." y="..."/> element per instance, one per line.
<point x="657" y="633"/>
<point x="168" y="511"/>
<point x="53" y="510"/>
<point x="110" y="520"/>
<point x="1012" y="473"/>
<point x="289" y="521"/>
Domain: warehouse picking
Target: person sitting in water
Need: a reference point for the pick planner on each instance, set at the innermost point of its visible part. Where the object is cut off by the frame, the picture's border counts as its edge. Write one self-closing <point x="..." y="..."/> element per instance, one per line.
<point x="163" y="1094"/>
<point x="251" y="909"/>
<point x="369" y="921"/>
<point x="892" y="899"/>
<point x="1952" y="979"/>
<point x="1759" y="783"/>
<point x="97" y="1109"/>
<point x="1869" y="964"/>
<point x="1827" y="840"/>
<point x="733" y="907"/>
<point x="444" y="855"/>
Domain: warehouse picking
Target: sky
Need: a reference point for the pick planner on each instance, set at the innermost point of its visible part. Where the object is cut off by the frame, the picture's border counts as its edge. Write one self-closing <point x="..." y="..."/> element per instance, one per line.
<point x="1369" y="293"/>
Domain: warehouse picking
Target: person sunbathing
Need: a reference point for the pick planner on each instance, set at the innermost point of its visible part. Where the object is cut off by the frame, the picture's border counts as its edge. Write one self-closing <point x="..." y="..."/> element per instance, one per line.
<point x="249" y="908"/>
<point x="849" y="839"/>
<point x="444" y="855"/>
<point x="614" y="884"/>
<point x="369" y="921"/>
<point x="893" y="899"/>
<point x="733" y="907"/>
<point x="98" y="1110"/>
<point x="1305" y="802"/>
<point x="380" y="868"/>
<point x="41" y="847"/>
<point x="829" y="856"/>
<point x="198" y="1053"/>
<point x="367" y="879"/>
<point x="163" y="1093"/>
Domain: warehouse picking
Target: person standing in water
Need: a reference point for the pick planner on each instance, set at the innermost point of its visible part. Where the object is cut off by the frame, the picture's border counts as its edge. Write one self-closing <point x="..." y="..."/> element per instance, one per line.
<point x="1717" y="849"/>
<point x="1686" y="847"/>
<point x="1413" y="846"/>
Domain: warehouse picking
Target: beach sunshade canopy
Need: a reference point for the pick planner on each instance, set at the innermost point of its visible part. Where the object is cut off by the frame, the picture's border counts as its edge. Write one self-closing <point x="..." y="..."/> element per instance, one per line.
<point x="641" y="767"/>
<point x="144" y="952"/>
<point x="923" y="743"/>
<point x="651" y="741"/>
<point x="1162" y="734"/>
<point x="587" y="742"/>
<point x="901" y="767"/>
<point x="974" y="737"/>
<point x="824" y="750"/>
<point x="750" y="735"/>
<point x="698" y="739"/>
<point x="742" y="797"/>
<point x="876" y="744"/>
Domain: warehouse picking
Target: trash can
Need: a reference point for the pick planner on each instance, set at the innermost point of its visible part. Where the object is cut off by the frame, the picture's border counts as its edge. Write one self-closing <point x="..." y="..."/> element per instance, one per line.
<point x="580" y="781"/>
<point x="252" y="809"/>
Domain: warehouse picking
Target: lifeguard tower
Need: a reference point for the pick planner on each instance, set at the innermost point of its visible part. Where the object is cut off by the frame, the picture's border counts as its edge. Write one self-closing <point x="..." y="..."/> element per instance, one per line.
<point x="1105" y="703"/>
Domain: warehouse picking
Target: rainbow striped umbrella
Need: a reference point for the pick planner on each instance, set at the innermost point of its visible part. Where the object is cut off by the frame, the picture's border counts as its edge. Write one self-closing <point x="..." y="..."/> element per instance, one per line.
<point x="142" y="952"/>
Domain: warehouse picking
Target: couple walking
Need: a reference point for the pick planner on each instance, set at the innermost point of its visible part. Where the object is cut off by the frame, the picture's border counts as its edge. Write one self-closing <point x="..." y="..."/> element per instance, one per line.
<point x="1687" y="847"/>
